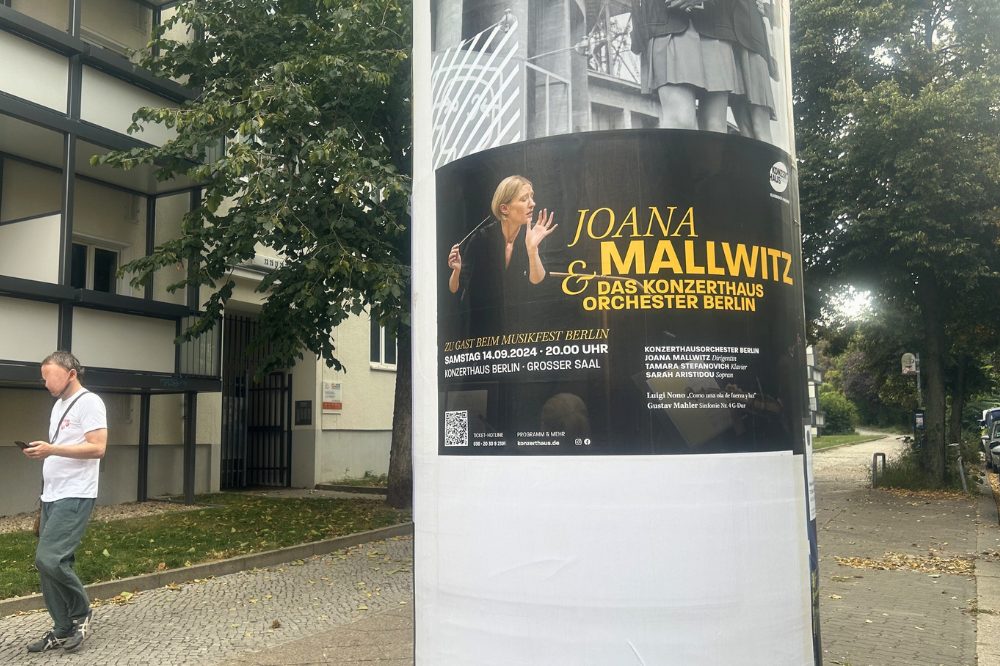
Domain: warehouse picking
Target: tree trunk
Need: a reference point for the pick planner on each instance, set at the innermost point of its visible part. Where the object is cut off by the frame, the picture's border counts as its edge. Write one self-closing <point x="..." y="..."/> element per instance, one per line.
<point x="400" y="483"/>
<point x="932" y="363"/>
<point x="957" y="403"/>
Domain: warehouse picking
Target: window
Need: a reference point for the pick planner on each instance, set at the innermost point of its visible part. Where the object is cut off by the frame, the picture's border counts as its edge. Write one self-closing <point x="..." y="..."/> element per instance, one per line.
<point x="52" y="12"/>
<point x="122" y="26"/>
<point x="383" y="347"/>
<point x="610" y="42"/>
<point x="93" y="267"/>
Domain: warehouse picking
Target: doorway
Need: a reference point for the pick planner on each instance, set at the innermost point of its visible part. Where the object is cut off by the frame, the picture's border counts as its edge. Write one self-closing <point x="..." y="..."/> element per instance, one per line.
<point x="256" y="414"/>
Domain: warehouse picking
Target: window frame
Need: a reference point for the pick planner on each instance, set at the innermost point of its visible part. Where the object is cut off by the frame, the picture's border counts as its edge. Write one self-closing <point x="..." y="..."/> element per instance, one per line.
<point x="379" y="361"/>
<point x="91" y="246"/>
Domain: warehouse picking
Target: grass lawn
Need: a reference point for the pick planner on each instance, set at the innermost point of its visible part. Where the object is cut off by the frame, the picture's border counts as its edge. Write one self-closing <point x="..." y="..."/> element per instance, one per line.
<point x="369" y="480"/>
<point x="230" y="524"/>
<point x="829" y="441"/>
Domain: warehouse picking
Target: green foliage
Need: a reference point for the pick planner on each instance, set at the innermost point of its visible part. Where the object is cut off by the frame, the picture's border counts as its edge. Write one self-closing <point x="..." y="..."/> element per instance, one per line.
<point x="311" y="100"/>
<point x="867" y="370"/>
<point x="232" y="524"/>
<point x="905" y="471"/>
<point x="840" y="414"/>
<point x="898" y="125"/>
<point x="899" y="137"/>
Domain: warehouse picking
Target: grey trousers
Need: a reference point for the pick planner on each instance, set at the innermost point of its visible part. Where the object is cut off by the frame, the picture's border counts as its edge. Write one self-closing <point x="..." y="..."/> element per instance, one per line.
<point x="63" y="524"/>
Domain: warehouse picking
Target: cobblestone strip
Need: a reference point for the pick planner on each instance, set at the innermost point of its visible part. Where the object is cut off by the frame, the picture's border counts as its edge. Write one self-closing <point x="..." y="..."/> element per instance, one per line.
<point x="209" y="621"/>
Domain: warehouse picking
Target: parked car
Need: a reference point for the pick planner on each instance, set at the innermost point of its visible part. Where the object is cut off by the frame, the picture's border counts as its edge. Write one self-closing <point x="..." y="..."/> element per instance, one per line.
<point x="990" y="416"/>
<point x="992" y="443"/>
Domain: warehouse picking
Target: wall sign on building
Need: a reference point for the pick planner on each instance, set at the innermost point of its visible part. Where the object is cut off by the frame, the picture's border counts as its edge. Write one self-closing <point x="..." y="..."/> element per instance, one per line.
<point x="303" y="412"/>
<point x="333" y="401"/>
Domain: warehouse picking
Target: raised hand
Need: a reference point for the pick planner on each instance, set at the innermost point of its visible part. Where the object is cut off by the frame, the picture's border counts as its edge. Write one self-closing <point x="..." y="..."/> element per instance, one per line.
<point x="537" y="232"/>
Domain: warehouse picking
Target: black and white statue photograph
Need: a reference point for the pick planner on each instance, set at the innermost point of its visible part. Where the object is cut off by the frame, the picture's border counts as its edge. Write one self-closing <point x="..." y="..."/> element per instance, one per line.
<point x="516" y="70"/>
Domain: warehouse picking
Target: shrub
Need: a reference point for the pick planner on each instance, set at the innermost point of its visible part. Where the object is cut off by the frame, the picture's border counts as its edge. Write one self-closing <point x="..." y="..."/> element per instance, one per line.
<point x="904" y="471"/>
<point x="840" y="414"/>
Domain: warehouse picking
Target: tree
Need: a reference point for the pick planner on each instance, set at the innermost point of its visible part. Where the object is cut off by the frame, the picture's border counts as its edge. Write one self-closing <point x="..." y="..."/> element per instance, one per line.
<point x="311" y="99"/>
<point x="974" y="341"/>
<point x="862" y="361"/>
<point x="899" y="142"/>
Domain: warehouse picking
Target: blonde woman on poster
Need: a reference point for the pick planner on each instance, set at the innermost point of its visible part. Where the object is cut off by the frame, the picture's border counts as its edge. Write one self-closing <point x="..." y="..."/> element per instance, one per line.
<point x="501" y="258"/>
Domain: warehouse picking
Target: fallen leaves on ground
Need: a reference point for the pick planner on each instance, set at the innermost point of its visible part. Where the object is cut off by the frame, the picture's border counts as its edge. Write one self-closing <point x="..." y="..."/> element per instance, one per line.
<point x="926" y="494"/>
<point x="117" y="600"/>
<point x="932" y="563"/>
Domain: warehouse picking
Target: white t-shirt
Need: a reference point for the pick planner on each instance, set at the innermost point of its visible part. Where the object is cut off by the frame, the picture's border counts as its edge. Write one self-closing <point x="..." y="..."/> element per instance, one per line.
<point x="69" y="477"/>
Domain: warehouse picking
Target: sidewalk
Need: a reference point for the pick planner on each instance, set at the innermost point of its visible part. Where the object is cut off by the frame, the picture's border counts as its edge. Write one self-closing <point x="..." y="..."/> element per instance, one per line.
<point x="384" y="638"/>
<point x="326" y="601"/>
<point x="354" y="607"/>
<point x="895" y="617"/>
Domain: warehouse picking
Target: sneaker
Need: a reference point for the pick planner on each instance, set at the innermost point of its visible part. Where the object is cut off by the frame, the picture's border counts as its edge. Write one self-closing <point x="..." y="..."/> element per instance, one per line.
<point x="81" y="629"/>
<point x="47" y="642"/>
<point x="73" y="641"/>
<point x="84" y="624"/>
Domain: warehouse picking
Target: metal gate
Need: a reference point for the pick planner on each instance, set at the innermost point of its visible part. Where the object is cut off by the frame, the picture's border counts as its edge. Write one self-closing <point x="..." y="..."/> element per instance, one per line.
<point x="256" y="415"/>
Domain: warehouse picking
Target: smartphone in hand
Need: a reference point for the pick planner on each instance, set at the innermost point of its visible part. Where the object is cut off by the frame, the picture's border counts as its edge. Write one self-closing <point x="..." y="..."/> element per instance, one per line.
<point x="21" y="445"/>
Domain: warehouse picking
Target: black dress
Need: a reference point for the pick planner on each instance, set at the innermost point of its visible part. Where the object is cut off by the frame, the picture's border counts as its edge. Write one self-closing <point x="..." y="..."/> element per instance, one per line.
<point x="495" y="294"/>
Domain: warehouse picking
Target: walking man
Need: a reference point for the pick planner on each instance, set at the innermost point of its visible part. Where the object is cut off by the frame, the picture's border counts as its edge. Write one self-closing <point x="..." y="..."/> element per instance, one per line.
<point x="78" y="436"/>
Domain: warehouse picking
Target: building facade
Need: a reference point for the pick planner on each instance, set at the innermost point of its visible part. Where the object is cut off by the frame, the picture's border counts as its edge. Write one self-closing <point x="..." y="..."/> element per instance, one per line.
<point x="183" y="417"/>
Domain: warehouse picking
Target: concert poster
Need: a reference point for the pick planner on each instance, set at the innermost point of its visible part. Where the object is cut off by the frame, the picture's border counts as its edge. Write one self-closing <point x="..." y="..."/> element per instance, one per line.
<point x="646" y="296"/>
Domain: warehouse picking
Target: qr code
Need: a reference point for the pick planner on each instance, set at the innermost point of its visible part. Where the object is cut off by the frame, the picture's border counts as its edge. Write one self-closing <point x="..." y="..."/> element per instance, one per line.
<point x="456" y="428"/>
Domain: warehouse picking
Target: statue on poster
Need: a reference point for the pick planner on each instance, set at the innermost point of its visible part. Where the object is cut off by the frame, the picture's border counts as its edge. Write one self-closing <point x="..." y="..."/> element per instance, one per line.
<point x="521" y="70"/>
<point x="703" y="58"/>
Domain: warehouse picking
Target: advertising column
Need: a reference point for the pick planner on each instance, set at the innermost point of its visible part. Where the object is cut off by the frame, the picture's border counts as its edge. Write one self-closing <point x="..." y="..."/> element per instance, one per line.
<point x="608" y="336"/>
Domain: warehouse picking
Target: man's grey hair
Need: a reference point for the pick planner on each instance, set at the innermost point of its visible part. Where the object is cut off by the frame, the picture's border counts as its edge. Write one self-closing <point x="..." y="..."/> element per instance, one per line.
<point x="64" y="360"/>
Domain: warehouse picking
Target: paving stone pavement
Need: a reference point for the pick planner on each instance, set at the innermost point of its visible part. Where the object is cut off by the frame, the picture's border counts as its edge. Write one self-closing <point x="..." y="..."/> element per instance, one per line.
<point x="899" y="617"/>
<point x="384" y="638"/>
<point x="211" y="621"/>
<point x="868" y="617"/>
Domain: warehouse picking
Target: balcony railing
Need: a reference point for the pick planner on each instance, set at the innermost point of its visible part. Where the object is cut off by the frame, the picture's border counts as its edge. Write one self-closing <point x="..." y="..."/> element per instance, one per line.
<point x="610" y="43"/>
<point x="199" y="356"/>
